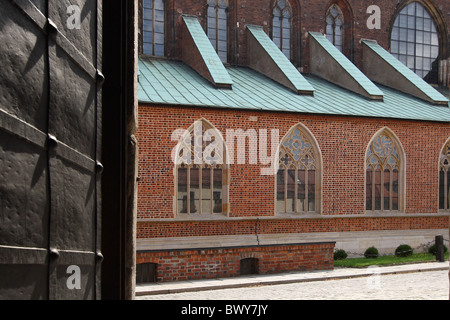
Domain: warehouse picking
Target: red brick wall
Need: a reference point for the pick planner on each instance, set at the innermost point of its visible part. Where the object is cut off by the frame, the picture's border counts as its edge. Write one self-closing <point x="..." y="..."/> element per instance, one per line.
<point x="180" y="265"/>
<point x="167" y="229"/>
<point x="342" y="140"/>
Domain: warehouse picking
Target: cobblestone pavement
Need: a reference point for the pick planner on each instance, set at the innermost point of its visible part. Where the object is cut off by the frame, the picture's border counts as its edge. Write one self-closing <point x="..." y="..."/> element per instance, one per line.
<point x="429" y="285"/>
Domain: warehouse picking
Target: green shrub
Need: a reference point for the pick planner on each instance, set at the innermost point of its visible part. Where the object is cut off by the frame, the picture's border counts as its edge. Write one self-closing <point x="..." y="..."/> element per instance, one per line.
<point x="432" y="249"/>
<point x="403" y="250"/>
<point x="371" y="252"/>
<point x="340" y="254"/>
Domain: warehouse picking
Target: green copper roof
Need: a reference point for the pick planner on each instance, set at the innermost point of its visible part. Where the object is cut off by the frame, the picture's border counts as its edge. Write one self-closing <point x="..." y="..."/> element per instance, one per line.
<point x="347" y="66"/>
<point x="407" y="73"/>
<point x="165" y="82"/>
<point x="209" y="55"/>
<point x="295" y="78"/>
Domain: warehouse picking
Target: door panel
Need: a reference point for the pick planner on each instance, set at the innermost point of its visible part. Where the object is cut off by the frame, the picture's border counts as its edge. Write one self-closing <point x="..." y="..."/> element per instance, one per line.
<point x="23" y="193"/>
<point x="50" y="101"/>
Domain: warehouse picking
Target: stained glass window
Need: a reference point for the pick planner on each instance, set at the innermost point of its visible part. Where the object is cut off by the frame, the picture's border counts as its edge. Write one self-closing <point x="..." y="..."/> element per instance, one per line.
<point x="217" y="26"/>
<point x="153" y="27"/>
<point x="297" y="177"/>
<point x="382" y="174"/>
<point x="281" y="26"/>
<point x="415" y="41"/>
<point x="444" y="178"/>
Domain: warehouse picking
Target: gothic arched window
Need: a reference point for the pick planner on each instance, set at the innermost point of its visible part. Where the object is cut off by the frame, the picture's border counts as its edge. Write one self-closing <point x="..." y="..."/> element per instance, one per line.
<point x="217" y="26"/>
<point x="444" y="177"/>
<point x="298" y="176"/>
<point x="281" y="26"/>
<point x="415" y="40"/>
<point x="334" y="29"/>
<point x="201" y="173"/>
<point x="383" y="173"/>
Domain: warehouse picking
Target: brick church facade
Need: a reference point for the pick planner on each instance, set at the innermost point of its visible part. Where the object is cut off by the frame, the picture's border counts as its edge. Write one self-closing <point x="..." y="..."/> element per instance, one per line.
<point x="271" y="133"/>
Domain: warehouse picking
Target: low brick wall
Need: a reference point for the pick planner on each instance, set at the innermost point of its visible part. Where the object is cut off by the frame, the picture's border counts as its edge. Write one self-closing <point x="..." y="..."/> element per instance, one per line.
<point x="209" y="263"/>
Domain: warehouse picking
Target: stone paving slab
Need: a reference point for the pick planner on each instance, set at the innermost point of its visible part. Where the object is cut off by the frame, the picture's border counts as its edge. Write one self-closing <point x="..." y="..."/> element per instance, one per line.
<point x="283" y="278"/>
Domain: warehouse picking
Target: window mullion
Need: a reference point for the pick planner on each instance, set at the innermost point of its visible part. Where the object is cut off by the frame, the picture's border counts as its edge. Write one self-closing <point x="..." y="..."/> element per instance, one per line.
<point x="306" y="206"/>
<point x="415" y="41"/>
<point x="334" y="31"/>
<point x="217" y="27"/>
<point x="188" y="190"/>
<point x="415" y="38"/>
<point x="382" y="188"/>
<point x="296" y="190"/>
<point x="211" y="192"/>
<point x="391" y="191"/>
<point x="446" y="194"/>
<point x="285" y="189"/>
<point x="373" y="188"/>
<point x="200" y="187"/>
<point x="281" y="30"/>
<point x="153" y="28"/>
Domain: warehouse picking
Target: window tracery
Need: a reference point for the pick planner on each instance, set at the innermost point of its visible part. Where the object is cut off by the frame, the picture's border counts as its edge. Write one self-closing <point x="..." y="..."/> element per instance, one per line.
<point x="297" y="176"/>
<point x="382" y="174"/>
<point x="200" y="165"/>
<point x="444" y="177"/>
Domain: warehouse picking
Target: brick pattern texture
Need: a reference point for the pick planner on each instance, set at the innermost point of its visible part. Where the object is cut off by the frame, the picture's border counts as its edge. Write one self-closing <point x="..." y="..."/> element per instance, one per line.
<point x="225" y="262"/>
<point x="342" y="140"/>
